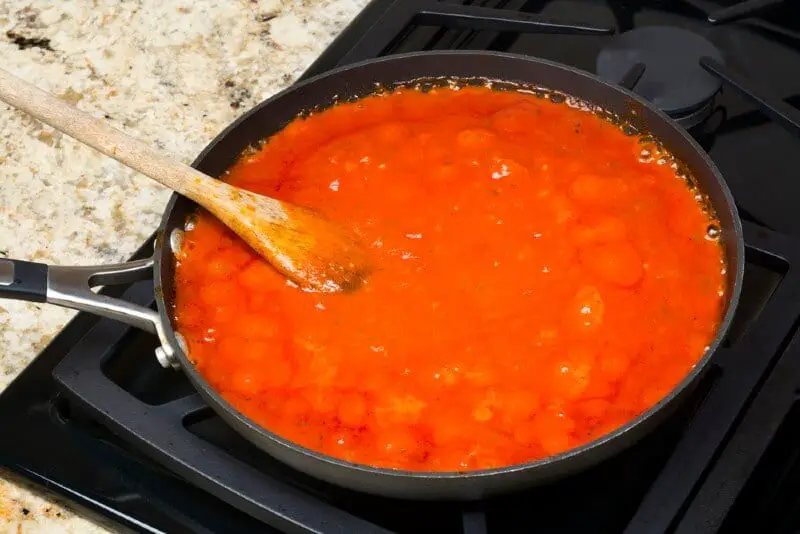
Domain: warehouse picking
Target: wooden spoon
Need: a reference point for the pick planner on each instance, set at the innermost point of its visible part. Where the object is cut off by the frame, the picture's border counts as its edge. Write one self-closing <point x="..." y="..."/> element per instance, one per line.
<point x="310" y="250"/>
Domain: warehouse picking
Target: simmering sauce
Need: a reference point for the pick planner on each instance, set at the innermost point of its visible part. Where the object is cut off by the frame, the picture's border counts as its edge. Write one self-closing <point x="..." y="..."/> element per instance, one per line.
<point x="541" y="279"/>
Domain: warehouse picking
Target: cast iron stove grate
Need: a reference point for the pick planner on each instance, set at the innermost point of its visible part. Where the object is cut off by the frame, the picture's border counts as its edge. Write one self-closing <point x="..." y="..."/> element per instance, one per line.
<point x="97" y="420"/>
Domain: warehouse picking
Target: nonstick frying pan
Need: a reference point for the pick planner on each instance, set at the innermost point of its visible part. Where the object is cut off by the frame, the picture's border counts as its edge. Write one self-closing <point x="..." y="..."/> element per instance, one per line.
<point x="70" y="286"/>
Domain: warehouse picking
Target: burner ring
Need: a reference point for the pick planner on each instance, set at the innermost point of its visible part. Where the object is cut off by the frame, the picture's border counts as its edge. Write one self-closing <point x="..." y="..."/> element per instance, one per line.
<point x="697" y="116"/>
<point x="673" y="79"/>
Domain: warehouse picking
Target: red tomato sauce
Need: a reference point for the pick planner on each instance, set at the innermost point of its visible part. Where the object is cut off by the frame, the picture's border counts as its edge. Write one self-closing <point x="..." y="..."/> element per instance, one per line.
<point x="541" y="279"/>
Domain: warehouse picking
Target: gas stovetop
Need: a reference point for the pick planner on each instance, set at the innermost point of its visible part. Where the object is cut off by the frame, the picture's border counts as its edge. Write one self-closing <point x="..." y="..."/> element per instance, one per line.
<point x="97" y="420"/>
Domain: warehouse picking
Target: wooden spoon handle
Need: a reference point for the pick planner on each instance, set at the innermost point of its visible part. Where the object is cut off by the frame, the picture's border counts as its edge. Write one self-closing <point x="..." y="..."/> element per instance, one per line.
<point x="101" y="136"/>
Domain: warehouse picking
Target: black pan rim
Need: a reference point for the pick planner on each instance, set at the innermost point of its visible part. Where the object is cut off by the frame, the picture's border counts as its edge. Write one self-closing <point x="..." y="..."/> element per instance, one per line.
<point x="735" y="240"/>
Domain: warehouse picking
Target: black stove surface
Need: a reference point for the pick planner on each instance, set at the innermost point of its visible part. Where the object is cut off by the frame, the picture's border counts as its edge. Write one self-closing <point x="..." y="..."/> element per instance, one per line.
<point x="99" y="422"/>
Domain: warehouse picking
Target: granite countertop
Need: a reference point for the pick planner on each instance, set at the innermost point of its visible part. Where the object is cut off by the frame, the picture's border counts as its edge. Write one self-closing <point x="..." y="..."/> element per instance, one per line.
<point x="173" y="73"/>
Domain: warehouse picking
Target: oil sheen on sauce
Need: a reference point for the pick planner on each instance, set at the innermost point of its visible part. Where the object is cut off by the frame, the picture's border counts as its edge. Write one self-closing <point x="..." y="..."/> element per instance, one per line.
<point x="541" y="279"/>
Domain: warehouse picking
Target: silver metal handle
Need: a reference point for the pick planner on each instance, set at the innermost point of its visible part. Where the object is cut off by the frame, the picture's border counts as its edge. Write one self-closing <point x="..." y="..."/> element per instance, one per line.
<point x="70" y="287"/>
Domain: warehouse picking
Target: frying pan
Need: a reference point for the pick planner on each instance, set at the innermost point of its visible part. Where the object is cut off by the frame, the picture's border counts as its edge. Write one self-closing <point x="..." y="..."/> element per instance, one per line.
<point x="70" y="286"/>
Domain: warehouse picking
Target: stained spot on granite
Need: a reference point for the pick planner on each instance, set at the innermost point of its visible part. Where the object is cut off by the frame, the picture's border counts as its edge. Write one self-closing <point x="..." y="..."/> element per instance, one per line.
<point x="118" y="216"/>
<point x="29" y="18"/>
<point x="239" y="96"/>
<point x="39" y="345"/>
<point x="29" y="42"/>
<point x="48" y="138"/>
<point x="105" y="251"/>
<point x="71" y="96"/>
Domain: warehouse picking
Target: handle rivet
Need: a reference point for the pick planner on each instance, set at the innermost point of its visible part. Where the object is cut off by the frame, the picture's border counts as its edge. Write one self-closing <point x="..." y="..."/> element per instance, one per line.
<point x="166" y="358"/>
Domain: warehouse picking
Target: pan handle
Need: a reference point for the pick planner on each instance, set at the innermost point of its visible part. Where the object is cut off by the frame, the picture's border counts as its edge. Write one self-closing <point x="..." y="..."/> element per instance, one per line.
<point x="71" y="287"/>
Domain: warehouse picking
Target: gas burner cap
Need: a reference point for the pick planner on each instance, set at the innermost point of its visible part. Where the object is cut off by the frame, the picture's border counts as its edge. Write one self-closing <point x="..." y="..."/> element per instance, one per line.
<point x="673" y="79"/>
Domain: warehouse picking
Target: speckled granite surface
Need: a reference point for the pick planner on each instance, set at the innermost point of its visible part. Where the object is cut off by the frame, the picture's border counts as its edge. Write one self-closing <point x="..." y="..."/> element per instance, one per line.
<point x="173" y="72"/>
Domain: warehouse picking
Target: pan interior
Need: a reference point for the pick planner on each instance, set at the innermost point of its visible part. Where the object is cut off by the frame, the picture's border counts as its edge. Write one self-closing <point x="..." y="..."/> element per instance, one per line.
<point x="502" y="72"/>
